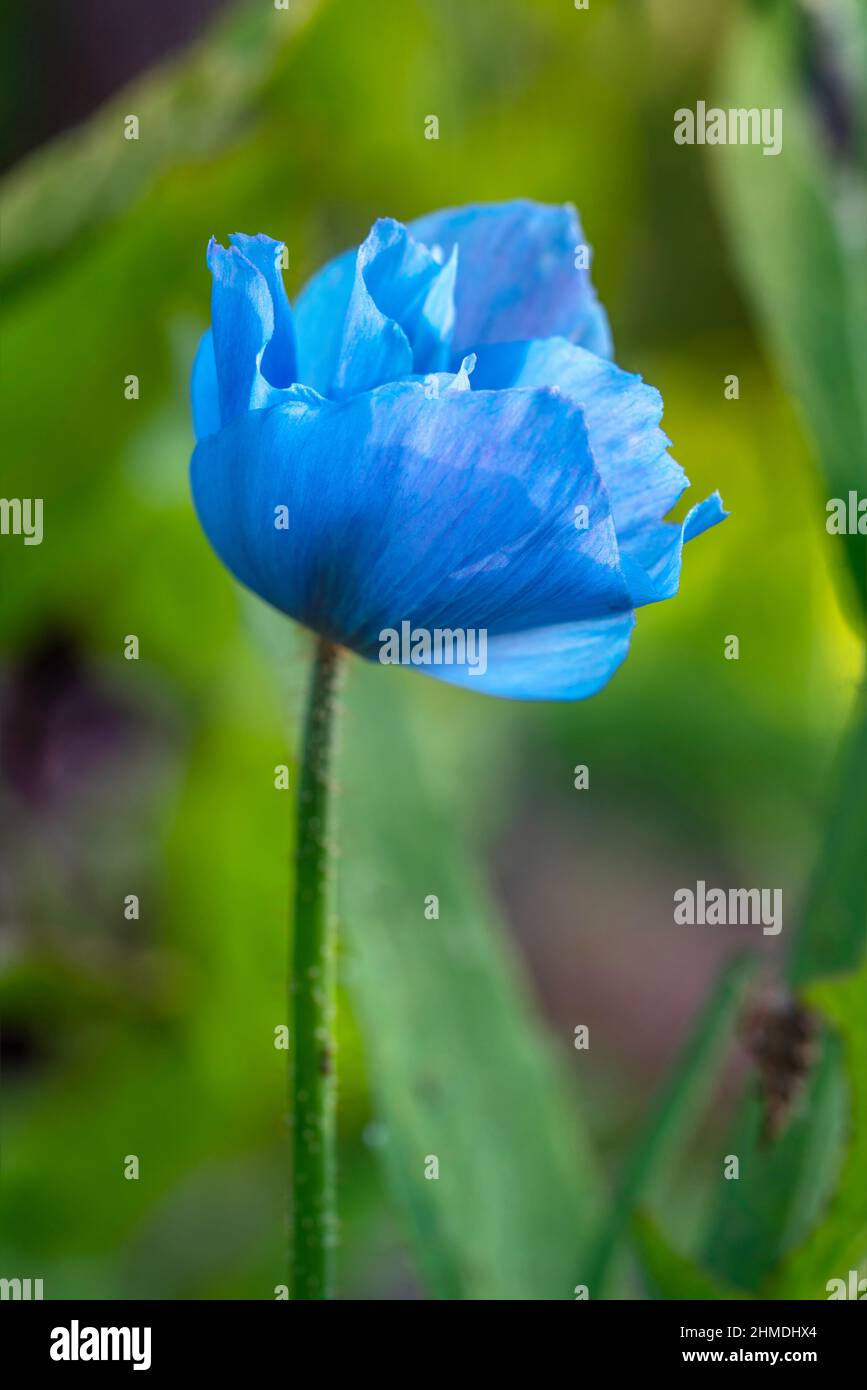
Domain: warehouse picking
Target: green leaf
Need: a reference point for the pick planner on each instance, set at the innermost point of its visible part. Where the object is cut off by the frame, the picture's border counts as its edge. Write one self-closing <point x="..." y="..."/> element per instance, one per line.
<point x="796" y="221"/>
<point x="834" y="932"/>
<point x="459" y="1066"/>
<point x="781" y="1184"/>
<point x="670" y="1274"/>
<point x="839" y="1242"/>
<point x="678" y="1109"/>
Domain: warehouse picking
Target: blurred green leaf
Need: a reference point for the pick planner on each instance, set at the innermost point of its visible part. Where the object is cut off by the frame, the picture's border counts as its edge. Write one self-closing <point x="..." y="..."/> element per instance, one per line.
<point x="834" y="931"/>
<point x="797" y="224"/>
<point x="670" y="1274"/>
<point x="839" y="1242"/>
<point x="187" y="109"/>
<point x="683" y="1100"/>
<point x="782" y="1184"/>
<point x="457" y="1063"/>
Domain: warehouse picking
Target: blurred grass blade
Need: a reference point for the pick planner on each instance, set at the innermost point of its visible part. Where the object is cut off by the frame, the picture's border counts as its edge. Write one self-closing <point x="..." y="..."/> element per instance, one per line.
<point x="799" y="236"/>
<point x="683" y="1100"/>
<point x="670" y="1274"/>
<point x="839" y="1242"/>
<point x="834" y="932"/>
<point x="458" y="1066"/>
<point x="783" y="1184"/>
<point x="188" y="109"/>
<point x="798" y="227"/>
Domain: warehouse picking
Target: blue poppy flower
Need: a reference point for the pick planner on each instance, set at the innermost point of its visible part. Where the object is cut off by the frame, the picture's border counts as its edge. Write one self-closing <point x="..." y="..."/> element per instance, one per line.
<point x="434" y="452"/>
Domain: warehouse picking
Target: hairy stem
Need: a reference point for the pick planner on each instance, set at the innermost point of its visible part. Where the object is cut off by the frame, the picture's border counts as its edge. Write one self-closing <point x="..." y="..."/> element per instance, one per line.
<point x="314" y="999"/>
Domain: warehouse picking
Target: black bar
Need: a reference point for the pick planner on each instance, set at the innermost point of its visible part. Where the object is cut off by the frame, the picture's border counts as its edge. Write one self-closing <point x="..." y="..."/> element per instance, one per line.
<point x="241" y="1337"/>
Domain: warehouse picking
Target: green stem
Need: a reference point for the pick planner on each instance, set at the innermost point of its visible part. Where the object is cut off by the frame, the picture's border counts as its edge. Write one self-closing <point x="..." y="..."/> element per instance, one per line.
<point x="314" y="999"/>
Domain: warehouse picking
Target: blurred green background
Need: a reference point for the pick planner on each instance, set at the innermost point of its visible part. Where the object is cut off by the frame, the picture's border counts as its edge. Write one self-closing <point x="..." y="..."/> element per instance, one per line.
<point x="155" y="1037"/>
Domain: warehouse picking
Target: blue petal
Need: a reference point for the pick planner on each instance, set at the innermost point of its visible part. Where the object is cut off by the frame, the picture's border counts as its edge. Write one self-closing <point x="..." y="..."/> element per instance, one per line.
<point x="320" y="311"/>
<point x="517" y="277"/>
<point x="204" y="395"/>
<point x="622" y="416"/>
<point x="435" y="383"/>
<point x="373" y="347"/>
<point x="652" y="562"/>
<point x="278" y="361"/>
<point x="376" y="315"/>
<point x="456" y="511"/>
<point x="411" y="287"/>
<point x="570" y="661"/>
<point x="245" y="319"/>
